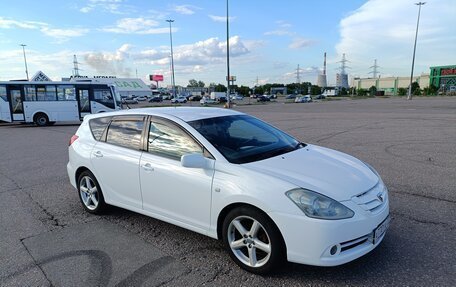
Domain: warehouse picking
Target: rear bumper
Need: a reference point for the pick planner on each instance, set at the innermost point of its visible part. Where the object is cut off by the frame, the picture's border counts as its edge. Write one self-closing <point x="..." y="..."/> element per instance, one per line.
<point x="309" y="241"/>
<point x="71" y="174"/>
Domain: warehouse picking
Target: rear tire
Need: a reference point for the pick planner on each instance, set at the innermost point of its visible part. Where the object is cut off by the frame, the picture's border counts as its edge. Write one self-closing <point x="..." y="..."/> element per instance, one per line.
<point x="90" y="193"/>
<point x="253" y="240"/>
<point x="41" y="119"/>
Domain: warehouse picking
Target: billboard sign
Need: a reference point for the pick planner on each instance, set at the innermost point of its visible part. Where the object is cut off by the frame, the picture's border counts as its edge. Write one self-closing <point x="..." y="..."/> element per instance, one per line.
<point x="156" y="78"/>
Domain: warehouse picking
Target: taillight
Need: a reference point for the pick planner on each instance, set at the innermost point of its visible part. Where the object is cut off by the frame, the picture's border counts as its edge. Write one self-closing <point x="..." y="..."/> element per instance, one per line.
<point x="73" y="139"/>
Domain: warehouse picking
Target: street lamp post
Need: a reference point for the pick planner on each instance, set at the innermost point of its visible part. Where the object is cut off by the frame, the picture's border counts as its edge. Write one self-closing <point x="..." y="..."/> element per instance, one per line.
<point x="409" y="97"/>
<point x="25" y="60"/>
<point x="172" y="57"/>
<point x="228" y="56"/>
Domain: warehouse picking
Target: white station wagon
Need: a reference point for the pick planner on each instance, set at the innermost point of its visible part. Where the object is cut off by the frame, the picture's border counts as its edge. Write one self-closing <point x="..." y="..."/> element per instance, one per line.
<point x="230" y="176"/>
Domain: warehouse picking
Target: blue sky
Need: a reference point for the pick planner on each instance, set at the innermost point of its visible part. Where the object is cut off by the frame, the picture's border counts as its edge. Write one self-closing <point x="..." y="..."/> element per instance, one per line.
<point x="268" y="38"/>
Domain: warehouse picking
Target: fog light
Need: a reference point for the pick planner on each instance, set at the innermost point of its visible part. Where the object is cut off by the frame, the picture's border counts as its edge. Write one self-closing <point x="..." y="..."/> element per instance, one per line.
<point x="333" y="250"/>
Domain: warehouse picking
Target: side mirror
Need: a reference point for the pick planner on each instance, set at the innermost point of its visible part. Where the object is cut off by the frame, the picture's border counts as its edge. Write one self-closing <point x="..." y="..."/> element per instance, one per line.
<point x="193" y="160"/>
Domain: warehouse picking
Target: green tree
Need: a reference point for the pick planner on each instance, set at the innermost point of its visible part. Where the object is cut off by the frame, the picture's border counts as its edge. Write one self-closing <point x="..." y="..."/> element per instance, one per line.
<point x="194" y="83"/>
<point x="416" y="89"/>
<point x="343" y="92"/>
<point x="402" y="92"/>
<point x="362" y="92"/>
<point x="258" y="90"/>
<point x="219" y="88"/>
<point x="315" y="90"/>
<point x="430" y="91"/>
<point x="243" y="90"/>
<point x="372" y="91"/>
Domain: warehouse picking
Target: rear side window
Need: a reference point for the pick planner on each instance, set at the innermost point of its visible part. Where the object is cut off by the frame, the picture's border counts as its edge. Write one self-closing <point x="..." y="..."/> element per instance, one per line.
<point x="98" y="126"/>
<point x="125" y="132"/>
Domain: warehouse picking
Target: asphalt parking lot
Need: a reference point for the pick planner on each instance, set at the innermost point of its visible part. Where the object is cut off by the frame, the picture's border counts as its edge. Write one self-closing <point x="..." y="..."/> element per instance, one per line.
<point x="48" y="240"/>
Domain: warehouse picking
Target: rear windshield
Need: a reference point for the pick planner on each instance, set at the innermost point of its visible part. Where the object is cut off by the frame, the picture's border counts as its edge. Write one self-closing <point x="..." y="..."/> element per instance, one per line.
<point x="98" y="125"/>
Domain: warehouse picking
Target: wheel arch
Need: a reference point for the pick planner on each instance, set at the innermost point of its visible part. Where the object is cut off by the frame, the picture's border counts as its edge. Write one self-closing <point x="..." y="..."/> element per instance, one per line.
<point x="78" y="172"/>
<point x="36" y="113"/>
<point x="224" y="212"/>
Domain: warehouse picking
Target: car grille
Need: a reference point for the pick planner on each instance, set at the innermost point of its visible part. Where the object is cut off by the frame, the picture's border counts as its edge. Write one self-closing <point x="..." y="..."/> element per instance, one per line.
<point x="373" y="199"/>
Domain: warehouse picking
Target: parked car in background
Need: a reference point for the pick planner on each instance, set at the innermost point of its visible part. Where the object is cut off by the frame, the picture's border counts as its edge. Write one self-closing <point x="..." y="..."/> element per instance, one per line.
<point x="237" y="97"/>
<point x="320" y="97"/>
<point x="233" y="177"/>
<point x="303" y="99"/>
<point x="141" y="98"/>
<point x="290" y="96"/>
<point x="129" y="101"/>
<point x="195" y="98"/>
<point x="208" y="101"/>
<point x="155" y="99"/>
<point x="179" y="99"/>
<point x="263" y="98"/>
<point x="166" y="97"/>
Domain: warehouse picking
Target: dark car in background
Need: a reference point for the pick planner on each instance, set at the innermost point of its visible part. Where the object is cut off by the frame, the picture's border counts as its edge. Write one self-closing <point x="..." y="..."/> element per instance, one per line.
<point x="155" y="99"/>
<point x="263" y="98"/>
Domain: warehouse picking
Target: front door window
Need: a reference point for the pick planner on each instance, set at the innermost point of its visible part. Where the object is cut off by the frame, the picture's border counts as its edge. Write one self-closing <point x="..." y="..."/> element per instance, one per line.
<point x="84" y="101"/>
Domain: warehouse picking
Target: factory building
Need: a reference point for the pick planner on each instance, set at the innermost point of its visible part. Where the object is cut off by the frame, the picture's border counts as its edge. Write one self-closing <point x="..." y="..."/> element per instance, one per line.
<point x="444" y="78"/>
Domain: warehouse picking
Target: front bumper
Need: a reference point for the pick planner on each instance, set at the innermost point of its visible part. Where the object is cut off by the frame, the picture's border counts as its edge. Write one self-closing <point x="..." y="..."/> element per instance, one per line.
<point x="309" y="241"/>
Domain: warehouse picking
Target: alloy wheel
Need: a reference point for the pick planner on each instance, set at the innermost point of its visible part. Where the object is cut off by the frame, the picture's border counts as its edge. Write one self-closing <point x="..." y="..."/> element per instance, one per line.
<point x="249" y="241"/>
<point x="89" y="192"/>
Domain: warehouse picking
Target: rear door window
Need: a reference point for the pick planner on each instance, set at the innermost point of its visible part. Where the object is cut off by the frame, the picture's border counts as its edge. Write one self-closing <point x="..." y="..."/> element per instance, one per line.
<point x="126" y="132"/>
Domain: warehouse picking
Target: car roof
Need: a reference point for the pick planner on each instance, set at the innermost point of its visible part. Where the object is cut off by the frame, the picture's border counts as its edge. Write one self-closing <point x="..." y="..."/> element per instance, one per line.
<point x="186" y="114"/>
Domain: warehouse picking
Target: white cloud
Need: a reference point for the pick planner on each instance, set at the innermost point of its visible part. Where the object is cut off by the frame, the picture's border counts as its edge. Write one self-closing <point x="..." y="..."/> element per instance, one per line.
<point x="299" y="43"/>
<point x="221" y="18"/>
<point x="283" y="24"/>
<point x="185" y="9"/>
<point x="60" y="34"/>
<point x="110" y="6"/>
<point x="64" y="34"/>
<point x="385" y="30"/>
<point x="279" y="33"/>
<point x="11" y="24"/>
<point x="137" y="26"/>
<point x="282" y="30"/>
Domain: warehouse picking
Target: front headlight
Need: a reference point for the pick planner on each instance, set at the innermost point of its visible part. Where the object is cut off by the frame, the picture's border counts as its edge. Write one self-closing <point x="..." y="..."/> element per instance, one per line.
<point x="316" y="205"/>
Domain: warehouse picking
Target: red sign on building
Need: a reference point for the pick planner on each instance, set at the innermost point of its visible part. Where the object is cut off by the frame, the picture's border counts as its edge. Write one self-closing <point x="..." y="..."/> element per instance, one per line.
<point x="447" y="72"/>
<point x="156" y="78"/>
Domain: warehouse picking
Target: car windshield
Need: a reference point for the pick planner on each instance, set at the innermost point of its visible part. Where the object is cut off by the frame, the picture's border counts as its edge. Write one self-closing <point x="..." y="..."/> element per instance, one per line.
<point x="242" y="139"/>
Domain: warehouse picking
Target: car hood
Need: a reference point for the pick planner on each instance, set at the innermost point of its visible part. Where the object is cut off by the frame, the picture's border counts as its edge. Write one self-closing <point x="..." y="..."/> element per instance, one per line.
<point x="329" y="172"/>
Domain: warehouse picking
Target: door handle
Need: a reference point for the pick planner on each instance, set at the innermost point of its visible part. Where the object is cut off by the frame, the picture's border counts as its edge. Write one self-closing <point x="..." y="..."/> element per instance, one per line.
<point x="98" y="154"/>
<point x="147" y="167"/>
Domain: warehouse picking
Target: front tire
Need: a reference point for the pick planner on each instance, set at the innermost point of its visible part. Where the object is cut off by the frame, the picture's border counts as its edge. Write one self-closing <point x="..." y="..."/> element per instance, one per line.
<point x="90" y="193"/>
<point x="253" y="240"/>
